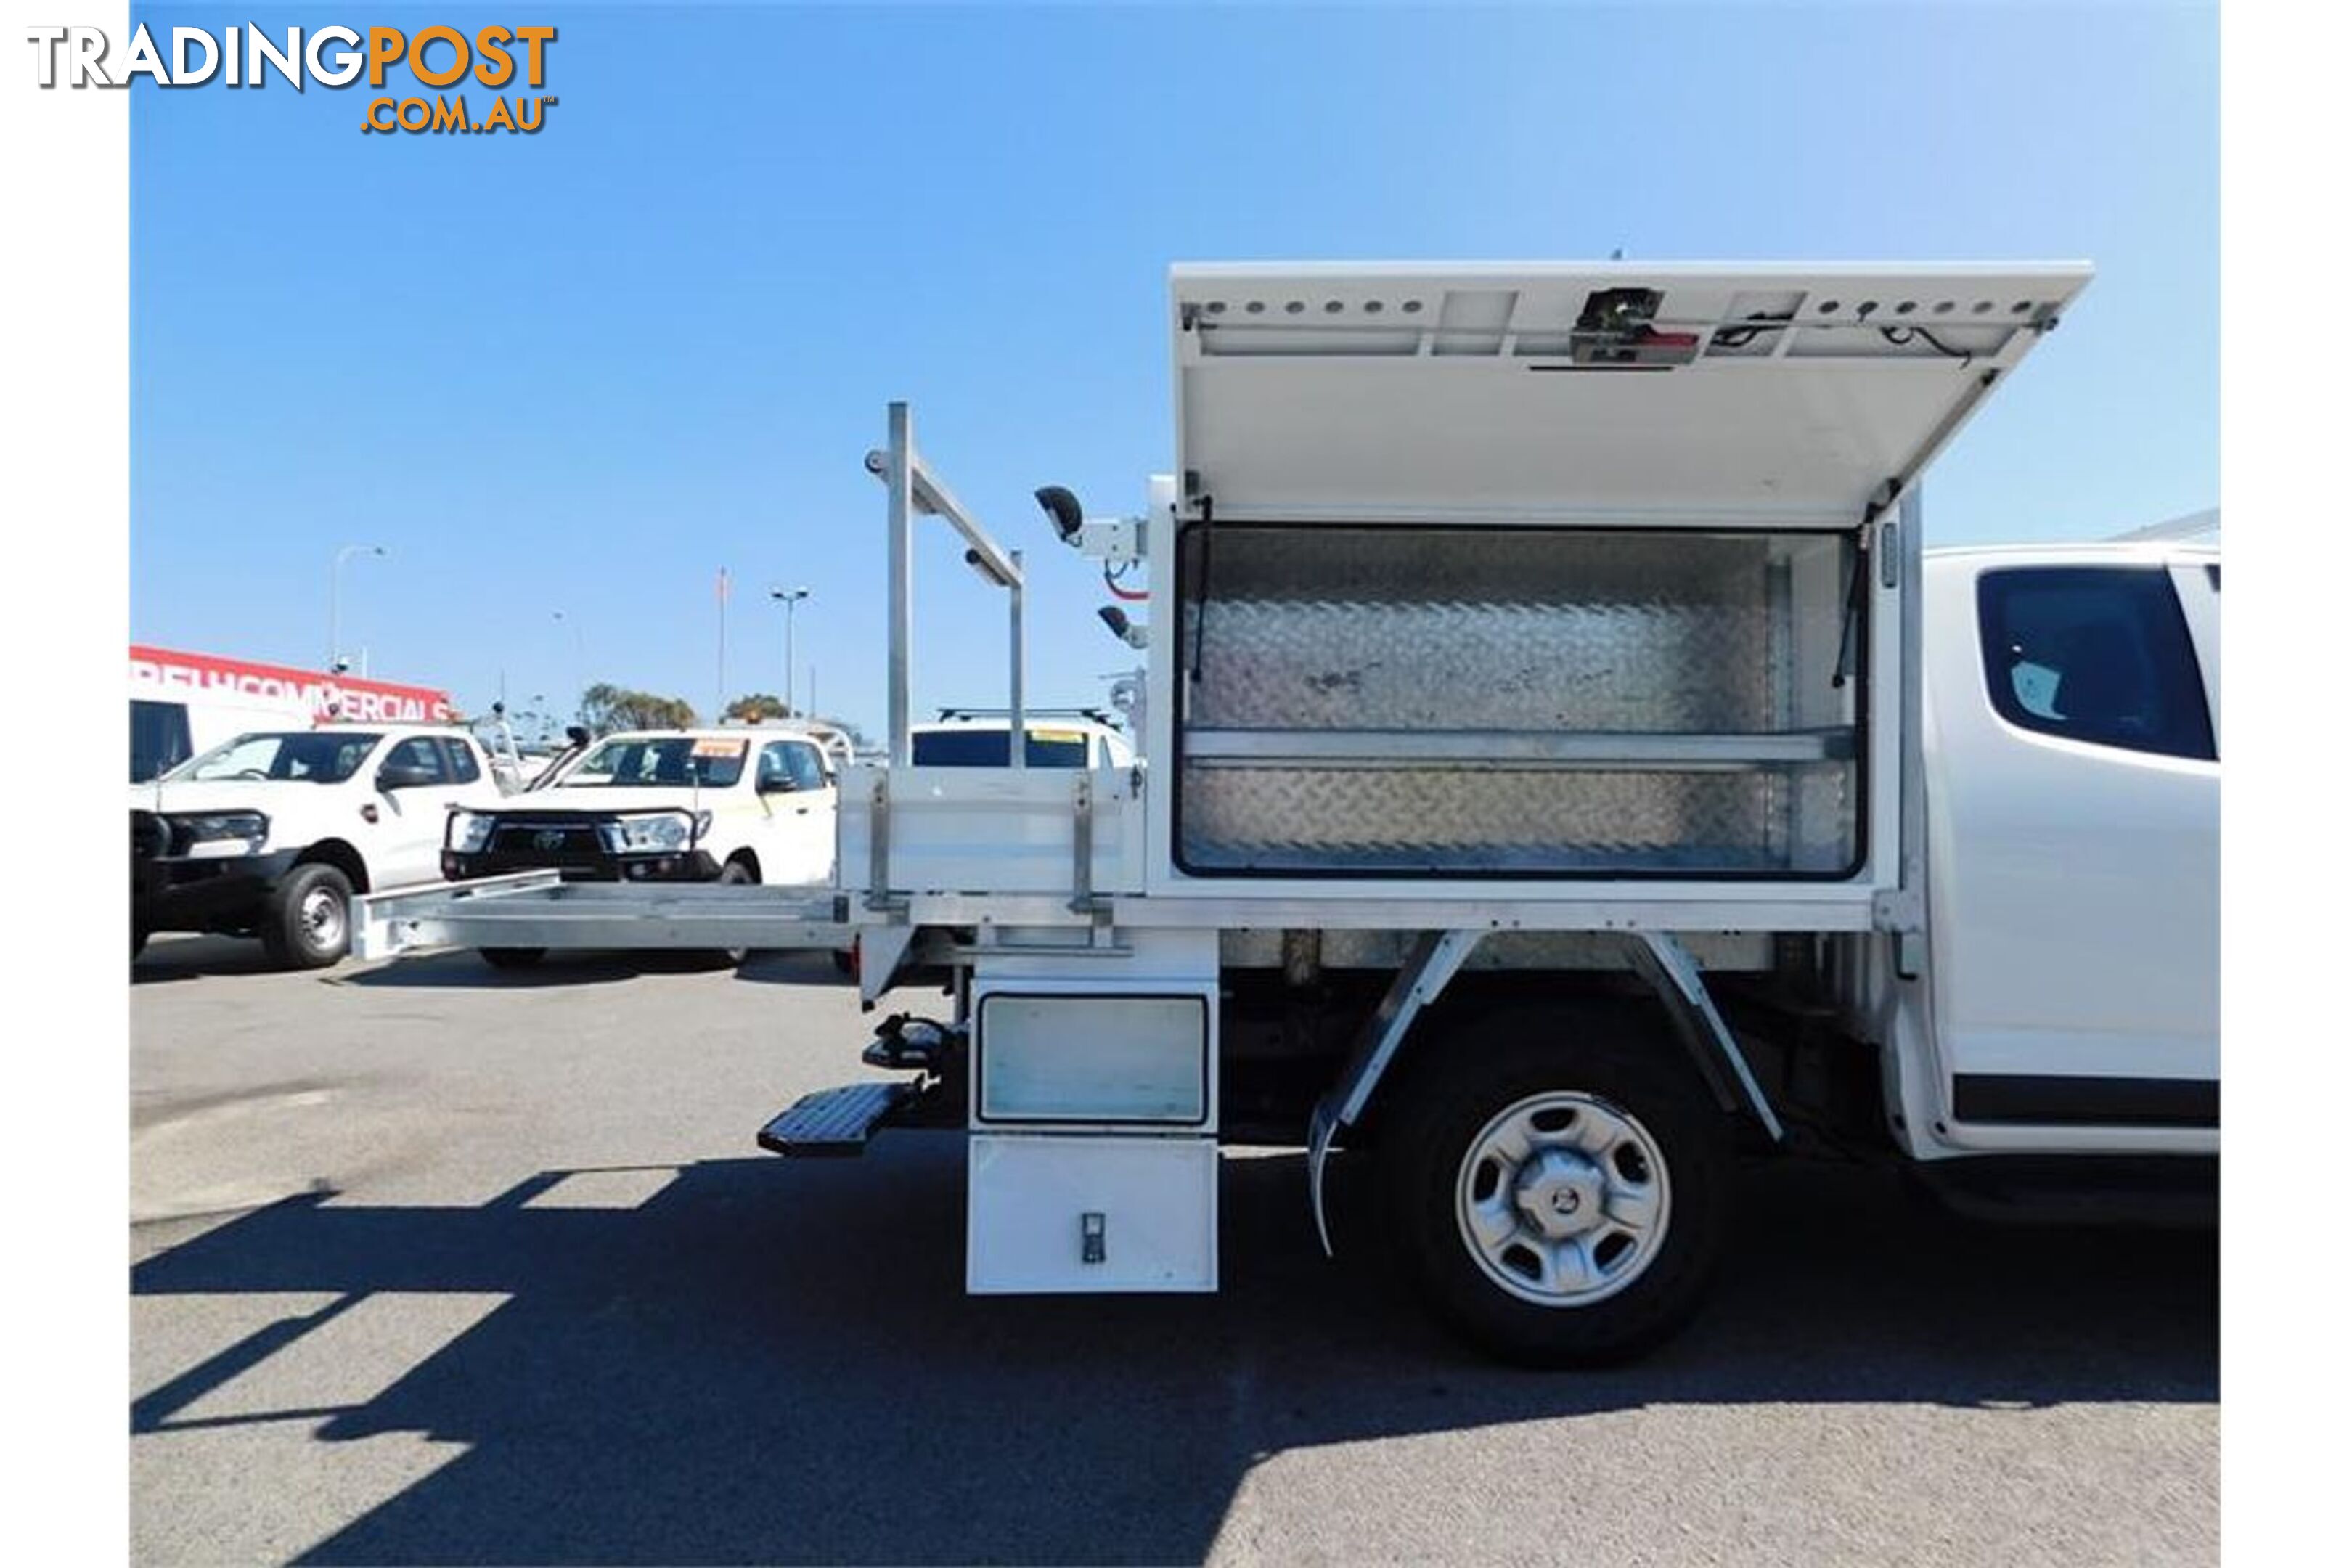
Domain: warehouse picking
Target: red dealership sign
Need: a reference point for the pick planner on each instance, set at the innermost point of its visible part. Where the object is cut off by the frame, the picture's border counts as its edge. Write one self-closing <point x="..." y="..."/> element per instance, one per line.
<point x="171" y="674"/>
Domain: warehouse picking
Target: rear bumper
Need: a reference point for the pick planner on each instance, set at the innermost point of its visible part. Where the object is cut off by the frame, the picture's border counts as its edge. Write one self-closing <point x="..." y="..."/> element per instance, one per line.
<point x="181" y="894"/>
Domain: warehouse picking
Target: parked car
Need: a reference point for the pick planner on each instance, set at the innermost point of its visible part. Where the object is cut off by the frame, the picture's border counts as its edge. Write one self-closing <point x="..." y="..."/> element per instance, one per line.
<point x="666" y="806"/>
<point x="732" y="805"/>
<point x="268" y="835"/>
<point x="978" y="738"/>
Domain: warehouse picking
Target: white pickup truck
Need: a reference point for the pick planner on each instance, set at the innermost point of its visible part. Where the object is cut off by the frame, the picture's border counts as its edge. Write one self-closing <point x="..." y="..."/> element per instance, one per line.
<point x="730" y="807"/>
<point x="976" y="738"/>
<point x="271" y="832"/>
<point x="1562" y="778"/>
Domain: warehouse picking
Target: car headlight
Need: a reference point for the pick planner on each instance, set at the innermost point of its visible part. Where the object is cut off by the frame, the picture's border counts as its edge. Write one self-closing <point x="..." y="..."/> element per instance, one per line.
<point x="469" y="832"/>
<point x="671" y="830"/>
<point x="221" y="832"/>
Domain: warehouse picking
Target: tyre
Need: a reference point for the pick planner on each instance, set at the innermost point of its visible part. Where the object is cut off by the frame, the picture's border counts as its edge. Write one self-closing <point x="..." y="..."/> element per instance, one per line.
<point x="512" y="957"/>
<point x="138" y="939"/>
<point x="1559" y="1186"/>
<point x="306" y="923"/>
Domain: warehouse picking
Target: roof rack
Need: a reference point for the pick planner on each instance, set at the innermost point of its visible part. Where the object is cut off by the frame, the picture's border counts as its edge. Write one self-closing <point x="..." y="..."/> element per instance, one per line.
<point x="1093" y="715"/>
<point x="2193" y="525"/>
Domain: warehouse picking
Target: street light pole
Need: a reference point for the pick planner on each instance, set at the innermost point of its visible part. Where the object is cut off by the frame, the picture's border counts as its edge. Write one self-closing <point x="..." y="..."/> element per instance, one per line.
<point x="789" y="598"/>
<point x="335" y="601"/>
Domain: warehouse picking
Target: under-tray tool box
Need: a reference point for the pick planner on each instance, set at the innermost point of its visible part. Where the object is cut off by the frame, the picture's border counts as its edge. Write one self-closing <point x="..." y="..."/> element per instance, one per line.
<point x="1093" y="1153"/>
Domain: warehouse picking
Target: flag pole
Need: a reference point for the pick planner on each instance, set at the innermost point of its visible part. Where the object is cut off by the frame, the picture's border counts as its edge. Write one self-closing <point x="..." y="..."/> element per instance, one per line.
<point x="718" y="710"/>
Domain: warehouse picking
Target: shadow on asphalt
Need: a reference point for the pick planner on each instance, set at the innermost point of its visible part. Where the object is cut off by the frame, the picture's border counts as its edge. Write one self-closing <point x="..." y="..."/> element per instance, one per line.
<point x="173" y="958"/>
<point x="198" y="957"/>
<point x="773" y="1360"/>
<point x="785" y="966"/>
<point x="464" y="969"/>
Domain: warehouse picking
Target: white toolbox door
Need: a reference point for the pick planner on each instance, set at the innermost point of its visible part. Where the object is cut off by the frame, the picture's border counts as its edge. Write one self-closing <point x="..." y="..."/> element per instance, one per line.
<point x="1359" y="391"/>
<point x="1150" y="1203"/>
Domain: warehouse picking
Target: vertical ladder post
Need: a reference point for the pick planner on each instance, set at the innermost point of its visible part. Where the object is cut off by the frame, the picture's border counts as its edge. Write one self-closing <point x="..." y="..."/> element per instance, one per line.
<point x="1017" y="743"/>
<point x="899" y="475"/>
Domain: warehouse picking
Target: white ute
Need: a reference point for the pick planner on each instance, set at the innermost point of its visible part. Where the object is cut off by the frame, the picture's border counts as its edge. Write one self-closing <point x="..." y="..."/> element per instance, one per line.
<point x="731" y="807"/>
<point x="1563" y="779"/>
<point x="974" y="738"/>
<point x="271" y="832"/>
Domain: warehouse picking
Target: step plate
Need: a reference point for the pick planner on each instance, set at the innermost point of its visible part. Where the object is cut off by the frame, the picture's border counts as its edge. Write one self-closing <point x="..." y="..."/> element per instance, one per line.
<point x="833" y="1122"/>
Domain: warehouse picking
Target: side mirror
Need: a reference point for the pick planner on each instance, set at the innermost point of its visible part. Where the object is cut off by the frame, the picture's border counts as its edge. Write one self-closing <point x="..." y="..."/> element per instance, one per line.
<point x="405" y="776"/>
<point x="777" y="784"/>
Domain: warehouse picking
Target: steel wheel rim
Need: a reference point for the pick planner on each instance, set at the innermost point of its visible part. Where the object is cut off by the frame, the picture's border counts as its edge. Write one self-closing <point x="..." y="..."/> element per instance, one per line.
<point x="323" y="918"/>
<point x="1563" y="1199"/>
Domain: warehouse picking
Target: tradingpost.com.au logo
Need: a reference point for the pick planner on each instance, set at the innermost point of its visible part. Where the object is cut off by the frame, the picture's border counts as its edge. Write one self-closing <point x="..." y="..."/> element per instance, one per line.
<point x="389" y="58"/>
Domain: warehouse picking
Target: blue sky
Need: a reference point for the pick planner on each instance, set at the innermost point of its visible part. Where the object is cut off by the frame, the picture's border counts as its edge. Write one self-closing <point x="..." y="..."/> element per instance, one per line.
<point x="584" y="370"/>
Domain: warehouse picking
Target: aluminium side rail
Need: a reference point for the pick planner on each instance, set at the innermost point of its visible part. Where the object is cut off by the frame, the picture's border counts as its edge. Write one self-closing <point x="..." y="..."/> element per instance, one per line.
<point x="538" y="908"/>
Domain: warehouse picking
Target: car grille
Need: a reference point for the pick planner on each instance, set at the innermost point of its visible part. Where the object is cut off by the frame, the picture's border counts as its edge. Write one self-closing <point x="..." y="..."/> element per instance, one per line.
<point x="546" y="838"/>
<point x="564" y="844"/>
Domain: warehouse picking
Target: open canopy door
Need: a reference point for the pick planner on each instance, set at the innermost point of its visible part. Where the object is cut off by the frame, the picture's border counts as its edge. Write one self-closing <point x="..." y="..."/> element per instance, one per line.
<point x="1617" y="390"/>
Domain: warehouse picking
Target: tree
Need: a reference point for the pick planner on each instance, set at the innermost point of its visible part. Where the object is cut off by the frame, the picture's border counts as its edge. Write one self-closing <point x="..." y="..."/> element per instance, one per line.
<point x="608" y="708"/>
<point x="756" y="708"/>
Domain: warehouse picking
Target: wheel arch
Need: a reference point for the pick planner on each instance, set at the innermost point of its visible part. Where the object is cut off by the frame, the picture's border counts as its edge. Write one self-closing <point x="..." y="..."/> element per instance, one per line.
<point x="1584" y="1005"/>
<point x="1625" y="1004"/>
<point x="343" y="856"/>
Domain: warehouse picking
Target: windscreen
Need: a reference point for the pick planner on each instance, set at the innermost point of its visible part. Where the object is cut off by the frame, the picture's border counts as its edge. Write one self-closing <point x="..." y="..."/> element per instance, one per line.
<point x="298" y="756"/>
<point x="978" y="748"/>
<point x="671" y="762"/>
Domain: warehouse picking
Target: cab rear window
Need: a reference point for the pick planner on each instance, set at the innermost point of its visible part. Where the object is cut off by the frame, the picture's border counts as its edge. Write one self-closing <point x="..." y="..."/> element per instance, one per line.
<point x="979" y="748"/>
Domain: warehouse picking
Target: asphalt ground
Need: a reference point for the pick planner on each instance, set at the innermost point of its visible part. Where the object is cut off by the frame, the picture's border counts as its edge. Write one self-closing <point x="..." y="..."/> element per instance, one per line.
<point x="431" y="1263"/>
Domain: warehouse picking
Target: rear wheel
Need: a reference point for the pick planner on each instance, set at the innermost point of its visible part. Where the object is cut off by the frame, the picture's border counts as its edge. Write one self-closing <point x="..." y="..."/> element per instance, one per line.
<point x="512" y="957"/>
<point x="306" y="923"/>
<point x="1558" y="1199"/>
